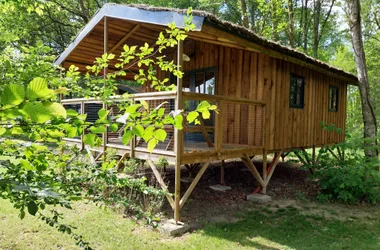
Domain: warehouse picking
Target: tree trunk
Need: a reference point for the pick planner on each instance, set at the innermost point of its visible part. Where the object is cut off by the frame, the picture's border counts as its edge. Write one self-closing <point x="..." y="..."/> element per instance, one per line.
<point x="244" y="13"/>
<point x="317" y="14"/>
<point x="305" y="26"/>
<point x="291" y="23"/>
<point x="369" y="118"/>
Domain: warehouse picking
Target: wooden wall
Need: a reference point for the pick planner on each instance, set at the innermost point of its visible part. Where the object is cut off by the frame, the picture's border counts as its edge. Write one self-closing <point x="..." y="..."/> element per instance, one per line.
<point x="254" y="75"/>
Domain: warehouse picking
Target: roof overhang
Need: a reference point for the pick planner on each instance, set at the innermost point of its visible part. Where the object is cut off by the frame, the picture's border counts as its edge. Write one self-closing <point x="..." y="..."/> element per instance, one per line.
<point x="124" y="12"/>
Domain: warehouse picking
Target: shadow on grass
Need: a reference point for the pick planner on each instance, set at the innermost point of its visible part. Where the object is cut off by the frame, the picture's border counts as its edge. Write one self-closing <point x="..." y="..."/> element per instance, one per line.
<point x="288" y="228"/>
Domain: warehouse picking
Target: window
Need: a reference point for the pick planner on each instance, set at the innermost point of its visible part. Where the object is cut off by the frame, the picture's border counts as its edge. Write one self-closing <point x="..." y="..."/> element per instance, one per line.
<point x="333" y="98"/>
<point x="297" y="89"/>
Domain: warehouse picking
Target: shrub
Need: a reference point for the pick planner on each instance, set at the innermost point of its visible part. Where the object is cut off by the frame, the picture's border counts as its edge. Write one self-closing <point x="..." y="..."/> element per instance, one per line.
<point x="351" y="178"/>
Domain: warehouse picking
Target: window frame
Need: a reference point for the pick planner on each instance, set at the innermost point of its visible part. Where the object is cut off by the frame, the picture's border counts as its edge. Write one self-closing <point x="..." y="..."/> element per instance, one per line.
<point x="302" y="92"/>
<point x="330" y="99"/>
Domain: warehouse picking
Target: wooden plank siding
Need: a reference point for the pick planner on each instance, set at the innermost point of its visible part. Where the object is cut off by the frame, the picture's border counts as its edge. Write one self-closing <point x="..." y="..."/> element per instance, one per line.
<point x="248" y="74"/>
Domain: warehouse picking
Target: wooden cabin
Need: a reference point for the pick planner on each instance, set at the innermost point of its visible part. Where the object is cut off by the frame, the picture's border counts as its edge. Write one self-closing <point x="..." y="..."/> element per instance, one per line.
<point x="271" y="98"/>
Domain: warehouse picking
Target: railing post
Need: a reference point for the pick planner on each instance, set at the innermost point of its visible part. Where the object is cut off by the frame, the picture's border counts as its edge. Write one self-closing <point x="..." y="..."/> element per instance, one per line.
<point x="82" y="110"/>
<point x="178" y="136"/>
<point x="218" y="127"/>
<point x="263" y="130"/>
<point x="105" y="71"/>
<point x="132" y="144"/>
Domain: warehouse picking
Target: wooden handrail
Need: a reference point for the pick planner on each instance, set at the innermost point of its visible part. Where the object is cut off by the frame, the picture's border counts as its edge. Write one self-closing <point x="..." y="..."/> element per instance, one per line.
<point x="226" y="99"/>
<point x="138" y="96"/>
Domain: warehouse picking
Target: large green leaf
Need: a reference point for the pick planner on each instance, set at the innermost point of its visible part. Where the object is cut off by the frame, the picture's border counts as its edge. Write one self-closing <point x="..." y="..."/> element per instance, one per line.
<point x="102" y="113"/>
<point x="160" y="134"/>
<point x="37" y="88"/>
<point x="192" y="116"/>
<point x="138" y="130"/>
<point x="13" y="94"/>
<point x="98" y="129"/>
<point x="89" y="139"/>
<point x="56" y="109"/>
<point x="37" y="112"/>
<point x="32" y="208"/>
<point x="127" y="136"/>
<point x="152" y="144"/>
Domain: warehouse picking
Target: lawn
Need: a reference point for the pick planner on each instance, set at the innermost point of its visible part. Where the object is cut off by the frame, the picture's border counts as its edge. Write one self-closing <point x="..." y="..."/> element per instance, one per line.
<point x="300" y="226"/>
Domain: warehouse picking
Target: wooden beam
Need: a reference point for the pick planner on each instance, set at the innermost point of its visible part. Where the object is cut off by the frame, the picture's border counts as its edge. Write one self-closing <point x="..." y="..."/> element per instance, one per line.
<point x="105" y="50"/>
<point x="124" y="38"/>
<point x="178" y="136"/>
<point x="204" y="133"/>
<point x="273" y="165"/>
<point x="98" y="156"/>
<point x="193" y="184"/>
<point x="161" y="182"/>
<point x="253" y="169"/>
<point x="122" y="159"/>
<point x="226" y="99"/>
<point x="265" y="169"/>
<point x="218" y="127"/>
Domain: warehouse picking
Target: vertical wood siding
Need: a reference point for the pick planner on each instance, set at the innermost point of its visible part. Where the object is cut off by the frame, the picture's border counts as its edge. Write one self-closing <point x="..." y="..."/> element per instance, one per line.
<point x="257" y="76"/>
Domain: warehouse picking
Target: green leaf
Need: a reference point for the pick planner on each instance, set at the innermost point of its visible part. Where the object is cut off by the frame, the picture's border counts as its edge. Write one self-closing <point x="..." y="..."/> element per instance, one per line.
<point x="206" y="114"/>
<point x="160" y="134"/>
<point x="26" y="165"/>
<point x="32" y="208"/>
<point x="161" y="112"/>
<point x="2" y="130"/>
<point x="102" y="113"/>
<point x="127" y="136"/>
<point x="89" y="139"/>
<point x="138" y="130"/>
<point x="203" y="106"/>
<point x="99" y="129"/>
<point x="37" y="112"/>
<point x="22" y="214"/>
<point x="178" y="122"/>
<point x="71" y="112"/>
<point x="37" y="88"/>
<point x="145" y="104"/>
<point x="148" y="134"/>
<point x="56" y="109"/>
<point x="192" y="116"/>
<point x="56" y="134"/>
<point x="152" y="144"/>
<point x="114" y="127"/>
<point x="71" y="131"/>
<point x="13" y="94"/>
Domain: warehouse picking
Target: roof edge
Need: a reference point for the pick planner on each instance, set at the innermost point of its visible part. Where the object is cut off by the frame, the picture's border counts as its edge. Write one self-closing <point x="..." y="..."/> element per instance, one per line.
<point x="130" y="13"/>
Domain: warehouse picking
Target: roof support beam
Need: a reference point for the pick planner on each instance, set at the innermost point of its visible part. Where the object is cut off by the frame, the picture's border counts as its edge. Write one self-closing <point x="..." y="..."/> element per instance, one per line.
<point x="122" y="40"/>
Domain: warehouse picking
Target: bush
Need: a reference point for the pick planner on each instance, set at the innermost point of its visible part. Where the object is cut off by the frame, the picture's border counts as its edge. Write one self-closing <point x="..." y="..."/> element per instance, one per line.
<point x="352" y="178"/>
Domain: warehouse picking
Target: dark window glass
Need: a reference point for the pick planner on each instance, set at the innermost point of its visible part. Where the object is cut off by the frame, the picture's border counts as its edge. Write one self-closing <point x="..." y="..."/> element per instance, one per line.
<point x="297" y="90"/>
<point x="333" y="98"/>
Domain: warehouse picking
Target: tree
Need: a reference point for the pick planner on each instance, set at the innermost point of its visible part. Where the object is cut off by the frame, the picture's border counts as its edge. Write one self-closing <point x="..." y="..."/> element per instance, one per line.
<point x="369" y="117"/>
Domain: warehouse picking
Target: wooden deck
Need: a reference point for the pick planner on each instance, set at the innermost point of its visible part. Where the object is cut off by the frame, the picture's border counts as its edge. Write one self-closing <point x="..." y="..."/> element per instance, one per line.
<point x="211" y="143"/>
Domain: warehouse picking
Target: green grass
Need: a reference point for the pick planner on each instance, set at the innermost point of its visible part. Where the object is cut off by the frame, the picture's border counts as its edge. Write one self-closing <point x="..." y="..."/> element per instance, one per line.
<point x="285" y="228"/>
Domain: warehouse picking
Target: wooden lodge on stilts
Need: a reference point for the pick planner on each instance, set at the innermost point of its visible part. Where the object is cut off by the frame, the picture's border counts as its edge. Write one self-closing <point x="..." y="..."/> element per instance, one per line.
<point x="271" y="98"/>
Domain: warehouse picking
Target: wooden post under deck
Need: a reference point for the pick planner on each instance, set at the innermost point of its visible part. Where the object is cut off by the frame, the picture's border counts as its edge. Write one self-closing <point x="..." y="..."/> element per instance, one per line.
<point x="178" y="135"/>
<point x="265" y="170"/>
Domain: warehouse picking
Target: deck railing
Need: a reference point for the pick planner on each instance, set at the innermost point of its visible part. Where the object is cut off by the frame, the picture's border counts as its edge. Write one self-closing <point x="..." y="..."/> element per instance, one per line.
<point x="237" y="124"/>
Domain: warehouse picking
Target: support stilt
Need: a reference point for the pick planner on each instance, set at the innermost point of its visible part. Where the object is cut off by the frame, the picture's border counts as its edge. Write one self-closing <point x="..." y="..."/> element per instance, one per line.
<point x="178" y="136"/>
<point x="222" y="182"/>
<point x="177" y="192"/>
<point x="265" y="169"/>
